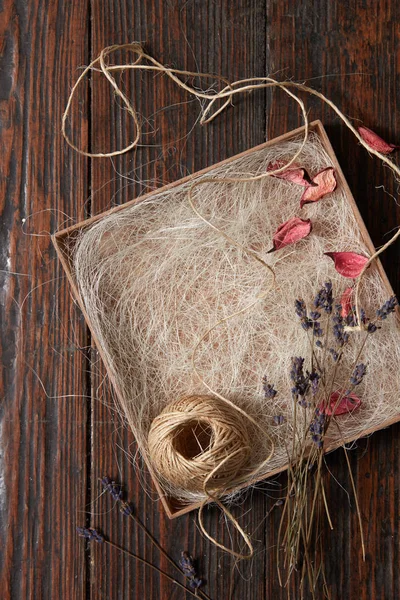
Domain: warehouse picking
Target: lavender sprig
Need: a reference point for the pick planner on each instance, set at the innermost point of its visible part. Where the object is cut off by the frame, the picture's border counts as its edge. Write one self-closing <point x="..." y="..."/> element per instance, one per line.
<point x="93" y="535"/>
<point x="114" y="489"/>
<point x="339" y="323"/>
<point x="358" y="374"/>
<point x="189" y="570"/>
<point x="301" y="312"/>
<point x="269" y="390"/>
<point x="90" y="534"/>
<point x="300" y="381"/>
<point x="387" y="308"/>
<point x="126" y="508"/>
<point x="324" y="298"/>
<point x="317" y="428"/>
<point x="314" y="378"/>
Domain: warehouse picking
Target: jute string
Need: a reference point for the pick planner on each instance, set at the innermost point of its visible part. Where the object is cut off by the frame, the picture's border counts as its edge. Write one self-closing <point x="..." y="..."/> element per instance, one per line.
<point x="229" y="469"/>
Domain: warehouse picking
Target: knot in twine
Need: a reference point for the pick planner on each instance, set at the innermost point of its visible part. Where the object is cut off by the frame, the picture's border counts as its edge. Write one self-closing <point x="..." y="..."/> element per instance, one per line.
<point x="199" y="443"/>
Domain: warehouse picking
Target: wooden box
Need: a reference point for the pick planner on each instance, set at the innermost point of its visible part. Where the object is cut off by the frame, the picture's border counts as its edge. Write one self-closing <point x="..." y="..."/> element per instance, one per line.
<point x="63" y="241"/>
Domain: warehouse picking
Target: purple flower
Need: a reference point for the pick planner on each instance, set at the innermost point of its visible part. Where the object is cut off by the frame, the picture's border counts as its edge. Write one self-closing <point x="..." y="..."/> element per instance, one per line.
<point x="338" y="327"/>
<point x="317" y="428"/>
<point x="358" y="374"/>
<point x="300" y="308"/>
<point x="301" y="312"/>
<point x="314" y="379"/>
<point x="315" y="315"/>
<point x="317" y="331"/>
<point x="334" y="354"/>
<point x="187" y="565"/>
<point x="387" y="308"/>
<point x="126" y="508"/>
<point x="90" y="534"/>
<point x="114" y="489"/>
<point x="279" y="419"/>
<point x="297" y="376"/>
<point x="324" y="298"/>
<point x="269" y="390"/>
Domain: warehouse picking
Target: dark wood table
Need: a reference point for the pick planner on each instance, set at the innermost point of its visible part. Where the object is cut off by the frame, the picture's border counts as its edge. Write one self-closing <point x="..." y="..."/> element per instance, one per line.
<point x="58" y="436"/>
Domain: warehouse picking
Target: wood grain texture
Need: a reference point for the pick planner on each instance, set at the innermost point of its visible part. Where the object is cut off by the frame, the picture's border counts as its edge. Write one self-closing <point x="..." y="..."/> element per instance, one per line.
<point x="52" y="452"/>
<point x="43" y="436"/>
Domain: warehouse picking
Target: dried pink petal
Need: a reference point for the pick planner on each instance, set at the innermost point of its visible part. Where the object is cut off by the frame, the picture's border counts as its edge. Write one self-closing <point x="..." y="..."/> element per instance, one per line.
<point x="291" y="231"/>
<point x="294" y="173"/>
<point x="375" y="142"/>
<point x="325" y="183"/>
<point x="346" y="404"/>
<point x="345" y="301"/>
<point x="348" y="264"/>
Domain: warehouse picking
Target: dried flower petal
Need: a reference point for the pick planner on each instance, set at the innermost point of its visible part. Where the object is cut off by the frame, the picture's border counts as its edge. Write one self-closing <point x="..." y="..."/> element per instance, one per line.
<point x="348" y="264"/>
<point x="291" y="231"/>
<point x="345" y="301"/>
<point x="325" y="182"/>
<point x="346" y="404"/>
<point x="294" y="173"/>
<point x="375" y="142"/>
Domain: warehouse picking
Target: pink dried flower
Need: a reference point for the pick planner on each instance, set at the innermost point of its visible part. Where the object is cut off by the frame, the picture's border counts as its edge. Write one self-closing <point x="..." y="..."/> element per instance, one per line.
<point x="348" y="264"/>
<point x="325" y="183"/>
<point x="294" y="173"/>
<point x="347" y="403"/>
<point x="345" y="301"/>
<point x="375" y="142"/>
<point x="291" y="231"/>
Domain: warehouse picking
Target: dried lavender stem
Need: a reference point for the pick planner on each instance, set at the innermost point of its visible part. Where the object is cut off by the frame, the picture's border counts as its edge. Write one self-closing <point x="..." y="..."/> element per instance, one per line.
<point x="200" y="593"/>
<point x="126" y="508"/>
<point x="321" y="455"/>
<point x="353" y="485"/>
<point x="149" y="564"/>
<point x="326" y="505"/>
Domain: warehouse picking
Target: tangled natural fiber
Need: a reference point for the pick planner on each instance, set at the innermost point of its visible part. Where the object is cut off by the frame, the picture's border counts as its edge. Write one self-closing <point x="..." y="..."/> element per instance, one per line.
<point x="156" y="280"/>
<point x="200" y="442"/>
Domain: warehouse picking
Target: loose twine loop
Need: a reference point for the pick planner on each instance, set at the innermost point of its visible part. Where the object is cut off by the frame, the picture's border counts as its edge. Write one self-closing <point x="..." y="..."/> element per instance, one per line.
<point x="220" y="427"/>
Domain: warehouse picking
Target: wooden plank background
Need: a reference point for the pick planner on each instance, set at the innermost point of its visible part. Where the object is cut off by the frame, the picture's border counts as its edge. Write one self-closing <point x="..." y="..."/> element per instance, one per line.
<point x="58" y="435"/>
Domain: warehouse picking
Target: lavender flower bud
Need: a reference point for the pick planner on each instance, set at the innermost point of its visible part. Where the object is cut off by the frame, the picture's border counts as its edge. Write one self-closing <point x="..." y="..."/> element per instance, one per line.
<point x="90" y="534"/>
<point x="387" y="308"/>
<point x="324" y="298"/>
<point x="126" y="508"/>
<point x="358" y="374"/>
<point x="279" y="419"/>
<point x="269" y="390"/>
<point x="114" y="489"/>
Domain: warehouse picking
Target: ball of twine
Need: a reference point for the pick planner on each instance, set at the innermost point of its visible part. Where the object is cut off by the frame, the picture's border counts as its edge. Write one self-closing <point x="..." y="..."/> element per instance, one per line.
<point x="199" y="443"/>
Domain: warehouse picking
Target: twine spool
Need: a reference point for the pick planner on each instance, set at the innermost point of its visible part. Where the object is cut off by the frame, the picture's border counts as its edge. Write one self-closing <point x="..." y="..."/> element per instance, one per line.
<point x="199" y="442"/>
